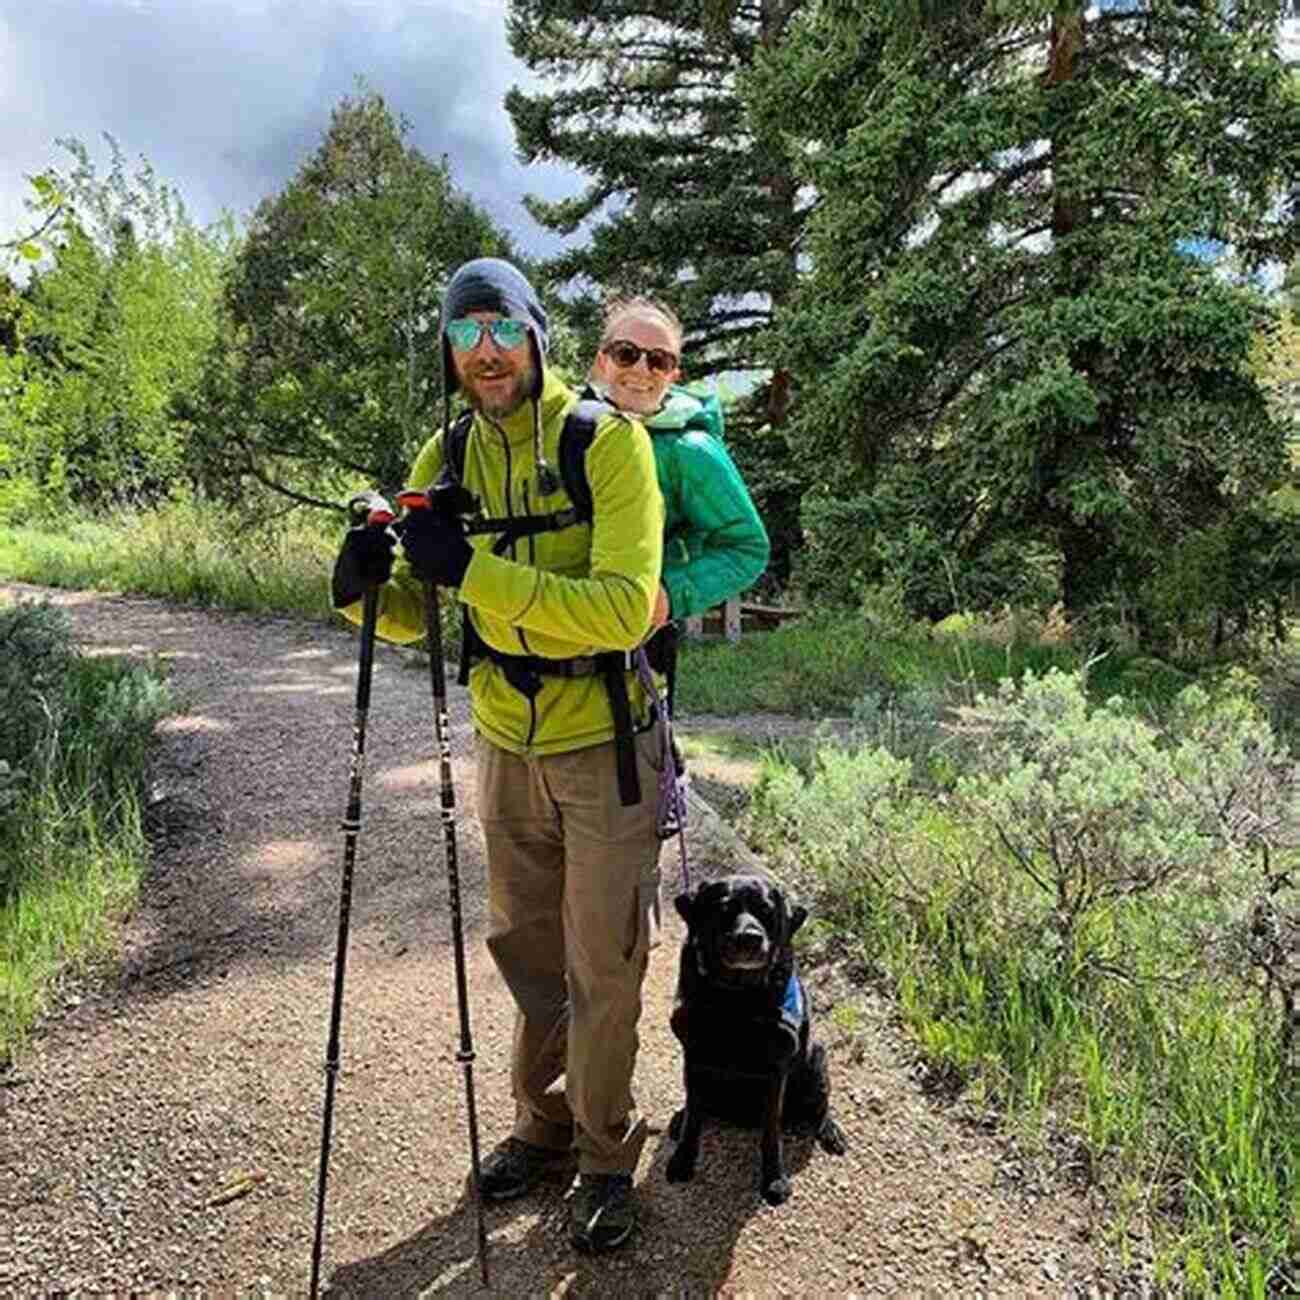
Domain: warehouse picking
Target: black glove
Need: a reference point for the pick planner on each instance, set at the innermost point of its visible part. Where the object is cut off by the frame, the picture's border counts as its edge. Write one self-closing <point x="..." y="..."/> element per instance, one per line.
<point x="365" y="560"/>
<point x="436" y="545"/>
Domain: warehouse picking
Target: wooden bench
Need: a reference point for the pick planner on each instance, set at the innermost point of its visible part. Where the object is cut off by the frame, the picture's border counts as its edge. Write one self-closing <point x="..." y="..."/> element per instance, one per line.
<point x="730" y="619"/>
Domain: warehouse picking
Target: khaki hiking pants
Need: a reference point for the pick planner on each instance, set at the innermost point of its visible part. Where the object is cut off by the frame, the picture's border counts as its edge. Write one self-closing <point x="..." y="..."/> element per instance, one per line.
<point x="573" y="880"/>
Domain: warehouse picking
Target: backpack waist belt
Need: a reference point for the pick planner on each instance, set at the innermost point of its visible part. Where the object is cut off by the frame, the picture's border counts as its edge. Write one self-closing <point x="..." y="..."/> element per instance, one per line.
<point x="525" y="673"/>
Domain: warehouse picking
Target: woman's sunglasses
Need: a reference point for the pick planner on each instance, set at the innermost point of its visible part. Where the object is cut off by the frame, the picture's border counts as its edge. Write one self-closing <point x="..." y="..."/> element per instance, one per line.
<point x="465" y="333"/>
<point x="625" y="354"/>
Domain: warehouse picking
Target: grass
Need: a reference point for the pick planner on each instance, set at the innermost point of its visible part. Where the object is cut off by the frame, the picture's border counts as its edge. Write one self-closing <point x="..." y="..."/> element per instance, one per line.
<point x="185" y="552"/>
<point x="828" y="663"/>
<point x="197" y="554"/>
<point x="81" y="875"/>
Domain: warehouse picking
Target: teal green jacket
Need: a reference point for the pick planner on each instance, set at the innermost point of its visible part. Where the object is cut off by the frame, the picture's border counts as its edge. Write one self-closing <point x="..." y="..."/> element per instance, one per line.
<point x="715" y="544"/>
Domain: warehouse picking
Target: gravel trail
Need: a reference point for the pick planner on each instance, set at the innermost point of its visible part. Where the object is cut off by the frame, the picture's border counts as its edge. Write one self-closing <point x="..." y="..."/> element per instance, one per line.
<point x="196" y="1058"/>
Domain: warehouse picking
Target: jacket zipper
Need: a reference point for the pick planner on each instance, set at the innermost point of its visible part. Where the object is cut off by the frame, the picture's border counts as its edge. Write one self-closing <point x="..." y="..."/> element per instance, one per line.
<point x="532" y="559"/>
<point x="510" y="514"/>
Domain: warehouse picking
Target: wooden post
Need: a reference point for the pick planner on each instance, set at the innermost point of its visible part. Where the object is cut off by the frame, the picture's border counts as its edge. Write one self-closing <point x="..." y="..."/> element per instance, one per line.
<point x="731" y="619"/>
<point x="695" y="625"/>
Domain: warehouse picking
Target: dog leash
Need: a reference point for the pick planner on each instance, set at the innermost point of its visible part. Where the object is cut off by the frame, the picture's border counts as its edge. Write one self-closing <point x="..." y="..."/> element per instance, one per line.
<point x="670" y="811"/>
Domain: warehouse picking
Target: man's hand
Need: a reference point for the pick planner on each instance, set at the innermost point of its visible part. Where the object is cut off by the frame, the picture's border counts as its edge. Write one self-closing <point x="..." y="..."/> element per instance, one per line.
<point x="365" y="560"/>
<point x="662" y="608"/>
<point x="436" y="546"/>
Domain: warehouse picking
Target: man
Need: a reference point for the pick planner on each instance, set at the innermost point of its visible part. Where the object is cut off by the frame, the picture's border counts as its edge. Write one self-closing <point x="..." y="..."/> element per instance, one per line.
<point x="568" y="808"/>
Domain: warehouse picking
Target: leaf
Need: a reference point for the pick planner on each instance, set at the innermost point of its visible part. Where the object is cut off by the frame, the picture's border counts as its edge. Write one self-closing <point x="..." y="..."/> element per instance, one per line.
<point x="47" y="191"/>
<point x="32" y="252"/>
<point x="238" y="1186"/>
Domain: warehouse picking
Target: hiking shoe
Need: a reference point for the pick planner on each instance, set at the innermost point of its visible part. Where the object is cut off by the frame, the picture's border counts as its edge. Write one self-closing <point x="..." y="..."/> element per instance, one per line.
<point x="516" y="1167"/>
<point x="603" y="1213"/>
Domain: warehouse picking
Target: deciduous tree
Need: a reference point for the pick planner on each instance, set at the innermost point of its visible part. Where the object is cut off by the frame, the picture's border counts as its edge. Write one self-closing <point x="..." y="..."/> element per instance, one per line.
<point x="331" y="370"/>
<point x="117" y="314"/>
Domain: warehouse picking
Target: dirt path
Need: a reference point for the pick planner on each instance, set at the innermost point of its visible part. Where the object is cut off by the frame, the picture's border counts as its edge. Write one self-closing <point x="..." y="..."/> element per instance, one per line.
<point x="199" y="1056"/>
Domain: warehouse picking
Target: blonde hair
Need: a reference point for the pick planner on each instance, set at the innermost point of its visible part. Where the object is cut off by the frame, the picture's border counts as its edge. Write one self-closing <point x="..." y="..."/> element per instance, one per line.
<point x="617" y="308"/>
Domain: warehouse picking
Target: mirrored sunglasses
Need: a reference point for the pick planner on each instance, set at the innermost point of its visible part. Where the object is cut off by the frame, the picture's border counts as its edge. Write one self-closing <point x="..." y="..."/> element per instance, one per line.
<point x="625" y="354"/>
<point x="465" y="333"/>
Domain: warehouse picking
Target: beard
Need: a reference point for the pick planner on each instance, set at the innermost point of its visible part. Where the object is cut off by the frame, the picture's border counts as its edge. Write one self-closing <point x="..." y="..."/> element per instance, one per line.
<point x="501" y="403"/>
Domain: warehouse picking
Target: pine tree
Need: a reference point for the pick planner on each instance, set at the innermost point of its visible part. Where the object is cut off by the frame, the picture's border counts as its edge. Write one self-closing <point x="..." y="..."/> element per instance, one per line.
<point x="685" y="200"/>
<point x="1004" y="323"/>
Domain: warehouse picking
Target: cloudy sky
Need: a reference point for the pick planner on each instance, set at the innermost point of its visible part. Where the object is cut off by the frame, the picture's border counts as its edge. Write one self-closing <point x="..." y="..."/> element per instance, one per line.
<point x="227" y="97"/>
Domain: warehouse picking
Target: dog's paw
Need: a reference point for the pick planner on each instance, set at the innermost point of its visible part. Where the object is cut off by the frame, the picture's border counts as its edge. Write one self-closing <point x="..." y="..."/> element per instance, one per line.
<point x="830" y="1137"/>
<point x="776" y="1191"/>
<point x="681" y="1166"/>
<point x="676" y="1124"/>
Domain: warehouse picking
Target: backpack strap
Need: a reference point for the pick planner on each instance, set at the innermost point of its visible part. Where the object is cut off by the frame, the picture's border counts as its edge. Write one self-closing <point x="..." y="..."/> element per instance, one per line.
<point x="456" y="442"/>
<point x="575" y="438"/>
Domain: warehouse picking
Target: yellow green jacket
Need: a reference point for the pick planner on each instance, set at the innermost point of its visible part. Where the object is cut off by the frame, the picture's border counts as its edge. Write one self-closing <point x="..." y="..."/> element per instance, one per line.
<point x="570" y="593"/>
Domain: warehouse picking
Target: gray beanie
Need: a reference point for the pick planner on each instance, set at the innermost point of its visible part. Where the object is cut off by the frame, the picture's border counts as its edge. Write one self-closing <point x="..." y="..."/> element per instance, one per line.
<point x="490" y="284"/>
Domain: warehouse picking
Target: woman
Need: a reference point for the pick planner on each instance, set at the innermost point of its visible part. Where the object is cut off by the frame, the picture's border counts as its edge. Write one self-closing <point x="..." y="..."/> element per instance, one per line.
<point x="715" y="544"/>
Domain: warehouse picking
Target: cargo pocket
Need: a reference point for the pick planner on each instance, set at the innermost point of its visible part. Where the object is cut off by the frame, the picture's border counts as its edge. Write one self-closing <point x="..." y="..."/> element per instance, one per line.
<point x="643" y="923"/>
<point x="649" y="747"/>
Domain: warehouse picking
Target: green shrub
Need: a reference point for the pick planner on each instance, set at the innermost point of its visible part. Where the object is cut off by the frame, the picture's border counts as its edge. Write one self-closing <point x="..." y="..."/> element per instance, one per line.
<point x="1235" y="582"/>
<point x="21" y="499"/>
<point x="851" y="544"/>
<point x="1092" y="803"/>
<point x="71" y="845"/>
<point x="11" y="783"/>
<point x="36" y="655"/>
<point x="1279" y="691"/>
<point x="1097" y="930"/>
<point x="910" y="723"/>
<point x="838" y="558"/>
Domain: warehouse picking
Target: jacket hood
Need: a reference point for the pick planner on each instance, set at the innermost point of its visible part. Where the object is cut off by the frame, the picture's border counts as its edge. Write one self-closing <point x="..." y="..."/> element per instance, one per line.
<point x="681" y="409"/>
<point x="675" y="412"/>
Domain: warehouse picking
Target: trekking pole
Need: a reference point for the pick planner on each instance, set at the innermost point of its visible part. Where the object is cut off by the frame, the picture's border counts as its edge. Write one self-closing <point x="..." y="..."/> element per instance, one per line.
<point x="364" y="511"/>
<point x="414" y="500"/>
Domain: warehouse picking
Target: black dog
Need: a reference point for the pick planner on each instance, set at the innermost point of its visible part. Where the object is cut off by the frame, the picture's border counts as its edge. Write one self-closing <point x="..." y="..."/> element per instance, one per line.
<point x="742" y="1017"/>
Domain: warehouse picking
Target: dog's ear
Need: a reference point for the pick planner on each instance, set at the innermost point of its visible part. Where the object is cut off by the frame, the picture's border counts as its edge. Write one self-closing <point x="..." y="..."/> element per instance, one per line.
<point x="798" y="915"/>
<point x="684" y="903"/>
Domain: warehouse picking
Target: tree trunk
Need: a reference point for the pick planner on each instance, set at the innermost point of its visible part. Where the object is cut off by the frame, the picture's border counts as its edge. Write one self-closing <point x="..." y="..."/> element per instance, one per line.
<point x="1085" y="550"/>
<point x="783" y="188"/>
